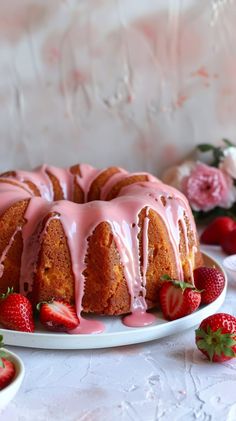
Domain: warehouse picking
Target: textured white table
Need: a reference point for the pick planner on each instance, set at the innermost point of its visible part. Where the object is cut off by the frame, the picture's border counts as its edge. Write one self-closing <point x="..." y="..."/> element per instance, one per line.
<point x="168" y="379"/>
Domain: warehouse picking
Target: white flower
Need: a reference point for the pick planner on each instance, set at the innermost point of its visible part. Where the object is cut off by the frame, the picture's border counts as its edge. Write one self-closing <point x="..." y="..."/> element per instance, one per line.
<point x="228" y="162"/>
<point x="174" y="175"/>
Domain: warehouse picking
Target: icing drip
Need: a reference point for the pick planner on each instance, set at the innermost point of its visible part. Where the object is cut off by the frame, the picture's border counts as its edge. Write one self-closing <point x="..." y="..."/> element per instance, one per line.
<point x="36" y="211"/>
<point x="88" y="174"/>
<point x="65" y="179"/>
<point x="145" y="250"/>
<point x="39" y="178"/>
<point x="139" y="319"/>
<point x="88" y="326"/>
<point x="80" y="220"/>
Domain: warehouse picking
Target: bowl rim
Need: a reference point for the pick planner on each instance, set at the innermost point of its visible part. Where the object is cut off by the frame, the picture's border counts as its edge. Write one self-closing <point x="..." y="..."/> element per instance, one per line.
<point x="20" y="370"/>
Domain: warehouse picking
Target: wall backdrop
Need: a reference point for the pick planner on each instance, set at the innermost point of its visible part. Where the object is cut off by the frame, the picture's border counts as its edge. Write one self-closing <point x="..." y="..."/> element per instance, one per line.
<point x="135" y="83"/>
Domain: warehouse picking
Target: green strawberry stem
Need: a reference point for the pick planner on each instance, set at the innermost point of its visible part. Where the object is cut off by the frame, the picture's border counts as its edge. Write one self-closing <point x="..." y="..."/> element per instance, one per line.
<point x="181" y="284"/>
<point x="216" y="342"/>
<point x="38" y="306"/>
<point x="3" y="354"/>
<point x="9" y="291"/>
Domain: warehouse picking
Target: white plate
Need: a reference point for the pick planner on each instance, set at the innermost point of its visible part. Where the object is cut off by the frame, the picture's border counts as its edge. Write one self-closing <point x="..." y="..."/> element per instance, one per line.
<point x="116" y="333"/>
<point x="8" y="393"/>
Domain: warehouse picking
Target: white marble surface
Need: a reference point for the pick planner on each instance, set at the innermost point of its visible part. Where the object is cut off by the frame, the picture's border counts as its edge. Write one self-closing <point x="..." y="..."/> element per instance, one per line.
<point x="168" y="379"/>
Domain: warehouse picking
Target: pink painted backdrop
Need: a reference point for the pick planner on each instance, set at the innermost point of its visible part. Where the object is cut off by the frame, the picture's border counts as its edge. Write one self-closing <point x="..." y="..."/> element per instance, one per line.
<point x="135" y="83"/>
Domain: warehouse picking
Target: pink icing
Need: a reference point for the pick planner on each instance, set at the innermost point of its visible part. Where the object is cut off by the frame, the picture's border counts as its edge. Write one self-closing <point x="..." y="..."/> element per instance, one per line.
<point x="88" y="174"/>
<point x="139" y="319"/>
<point x="66" y="180"/>
<point x="39" y="178"/>
<point x="88" y="326"/>
<point x="80" y="220"/>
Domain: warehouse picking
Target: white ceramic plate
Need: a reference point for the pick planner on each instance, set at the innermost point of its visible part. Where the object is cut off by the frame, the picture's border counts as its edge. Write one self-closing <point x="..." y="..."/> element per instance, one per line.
<point x="8" y="393"/>
<point x="116" y="333"/>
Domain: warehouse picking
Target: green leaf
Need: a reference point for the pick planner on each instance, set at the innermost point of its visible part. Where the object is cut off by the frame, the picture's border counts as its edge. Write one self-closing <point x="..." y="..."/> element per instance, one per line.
<point x="165" y="278"/>
<point x="183" y="285"/>
<point x="201" y="344"/>
<point x="217" y="154"/>
<point x="2" y="363"/>
<point x="210" y="352"/>
<point x="218" y="350"/>
<point x="208" y="329"/>
<point x="9" y="291"/>
<point x="38" y="306"/>
<point x="229" y="342"/>
<point x="200" y="333"/>
<point x="227" y="142"/>
<point x="229" y="352"/>
<point x="205" y="147"/>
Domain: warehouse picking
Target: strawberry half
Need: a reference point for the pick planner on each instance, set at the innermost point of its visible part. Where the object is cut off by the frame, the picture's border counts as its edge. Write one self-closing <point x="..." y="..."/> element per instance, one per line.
<point x="7" y="368"/>
<point x="217" y="230"/>
<point x="211" y="281"/>
<point x="58" y="315"/>
<point x="216" y="337"/>
<point x="16" y="312"/>
<point x="178" y="299"/>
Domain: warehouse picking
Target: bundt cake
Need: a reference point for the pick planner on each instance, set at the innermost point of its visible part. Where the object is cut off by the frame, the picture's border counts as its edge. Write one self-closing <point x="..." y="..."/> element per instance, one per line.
<point x="101" y="239"/>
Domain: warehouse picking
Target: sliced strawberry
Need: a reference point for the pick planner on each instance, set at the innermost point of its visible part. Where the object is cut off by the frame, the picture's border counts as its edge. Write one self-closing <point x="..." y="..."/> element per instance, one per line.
<point x="7" y="373"/>
<point x="217" y="230"/>
<point x="216" y="337"/>
<point x="228" y="243"/>
<point x="58" y="315"/>
<point x="178" y="299"/>
<point x="16" y="312"/>
<point x="211" y="281"/>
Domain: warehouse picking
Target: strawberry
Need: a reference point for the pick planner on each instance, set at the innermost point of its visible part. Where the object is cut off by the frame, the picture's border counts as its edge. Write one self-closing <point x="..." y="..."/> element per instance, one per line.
<point x="228" y="243"/>
<point x="216" y="337"/>
<point x="58" y="315"/>
<point x="178" y="299"/>
<point x="16" y="312"/>
<point x="217" y="230"/>
<point x="7" y="368"/>
<point x="211" y="281"/>
<point x="7" y="373"/>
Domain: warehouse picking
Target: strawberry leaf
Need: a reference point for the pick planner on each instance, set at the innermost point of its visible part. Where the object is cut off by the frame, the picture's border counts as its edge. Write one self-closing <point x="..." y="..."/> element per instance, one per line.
<point x="201" y="344"/>
<point x="205" y="147"/>
<point x="38" y="306"/>
<point x="218" y="350"/>
<point x="3" y="354"/>
<point x="9" y="291"/>
<point x="210" y="352"/>
<point x="184" y="285"/>
<point x="200" y="333"/>
<point x="165" y="278"/>
<point x="216" y="342"/>
<point x="227" y="142"/>
<point x="229" y="352"/>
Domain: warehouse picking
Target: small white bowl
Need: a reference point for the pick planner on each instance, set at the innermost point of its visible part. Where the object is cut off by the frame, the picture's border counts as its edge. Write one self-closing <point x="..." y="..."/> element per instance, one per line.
<point x="8" y="393"/>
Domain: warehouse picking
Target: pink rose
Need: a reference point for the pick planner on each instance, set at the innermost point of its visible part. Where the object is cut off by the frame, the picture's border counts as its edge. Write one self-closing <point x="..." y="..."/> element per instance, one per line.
<point x="207" y="187"/>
